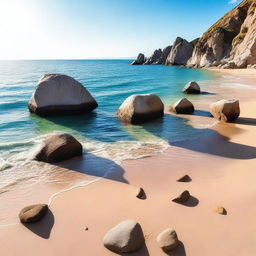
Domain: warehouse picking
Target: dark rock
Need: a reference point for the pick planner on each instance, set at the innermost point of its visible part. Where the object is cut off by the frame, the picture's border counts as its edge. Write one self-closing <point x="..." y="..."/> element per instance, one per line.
<point x="191" y="88"/>
<point x="182" y="198"/>
<point x="33" y="213"/>
<point x="183" y="106"/>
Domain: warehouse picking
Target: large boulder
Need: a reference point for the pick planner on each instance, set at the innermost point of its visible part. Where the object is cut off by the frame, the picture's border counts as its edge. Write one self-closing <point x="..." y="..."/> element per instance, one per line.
<point x="33" y="213"/>
<point x="183" y="106"/>
<point x="191" y="88"/>
<point x="140" y="60"/>
<point x="58" y="147"/>
<point x="225" y="110"/>
<point x="60" y="94"/>
<point x="180" y="53"/>
<point x="127" y="236"/>
<point x="165" y="53"/>
<point x="168" y="240"/>
<point x="141" y="108"/>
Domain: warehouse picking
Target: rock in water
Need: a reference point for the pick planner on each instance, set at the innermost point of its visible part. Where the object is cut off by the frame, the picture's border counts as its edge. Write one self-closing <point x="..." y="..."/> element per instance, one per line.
<point x="220" y="210"/>
<point x="225" y="110"/>
<point x="127" y="236"/>
<point x="167" y="240"/>
<point x="60" y="94"/>
<point x="33" y="213"/>
<point x="58" y="147"/>
<point x="165" y="53"/>
<point x="182" y="198"/>
<point x="183" y="106"/>
<point x="184" y="178"/>
<point x="192" y="88"/>
<point x="138" y="109"/>
<point x="140" y="60"/>
<point x="180" y="53"/>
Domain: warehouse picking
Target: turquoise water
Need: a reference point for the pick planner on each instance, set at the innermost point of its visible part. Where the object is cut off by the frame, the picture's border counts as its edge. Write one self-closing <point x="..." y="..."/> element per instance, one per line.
<point x="110" y="82"/>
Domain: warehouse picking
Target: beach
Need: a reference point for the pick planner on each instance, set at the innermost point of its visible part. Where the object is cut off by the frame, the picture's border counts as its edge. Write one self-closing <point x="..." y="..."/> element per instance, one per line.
<point x="221" y="164"/>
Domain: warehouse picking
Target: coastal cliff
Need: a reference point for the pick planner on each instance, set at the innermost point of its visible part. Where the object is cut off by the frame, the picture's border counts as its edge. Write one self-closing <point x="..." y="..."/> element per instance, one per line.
<point x="229" y="43"/>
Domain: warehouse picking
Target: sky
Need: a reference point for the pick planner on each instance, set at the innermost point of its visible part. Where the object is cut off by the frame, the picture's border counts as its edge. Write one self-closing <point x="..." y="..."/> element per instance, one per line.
<point x="93" y="29"/>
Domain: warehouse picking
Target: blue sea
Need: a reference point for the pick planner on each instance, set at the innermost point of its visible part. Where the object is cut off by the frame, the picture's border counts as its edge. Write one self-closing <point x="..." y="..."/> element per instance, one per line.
<point x="101" y="133"/>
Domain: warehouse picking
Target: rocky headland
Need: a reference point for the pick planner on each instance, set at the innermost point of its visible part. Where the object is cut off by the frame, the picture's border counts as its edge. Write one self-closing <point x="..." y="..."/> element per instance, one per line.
<point x="229" y="43"/>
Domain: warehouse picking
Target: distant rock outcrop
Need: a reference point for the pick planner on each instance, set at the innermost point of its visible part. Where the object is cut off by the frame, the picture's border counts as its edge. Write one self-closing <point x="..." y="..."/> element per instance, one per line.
<point x="229" y="43"/>
<point x="154" y="59"/>
<point x="58" y="94"/>
<point x="181" y="52"/>
<point x="140" y="60"/>
<point x="138" y="109"/>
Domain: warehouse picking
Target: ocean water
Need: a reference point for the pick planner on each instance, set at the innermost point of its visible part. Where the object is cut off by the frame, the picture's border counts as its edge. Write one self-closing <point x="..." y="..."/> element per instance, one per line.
<point x="101" y="133"/>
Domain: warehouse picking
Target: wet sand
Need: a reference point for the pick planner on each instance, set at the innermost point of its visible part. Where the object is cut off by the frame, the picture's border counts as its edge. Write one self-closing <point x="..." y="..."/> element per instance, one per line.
<point x="222" y="167"/>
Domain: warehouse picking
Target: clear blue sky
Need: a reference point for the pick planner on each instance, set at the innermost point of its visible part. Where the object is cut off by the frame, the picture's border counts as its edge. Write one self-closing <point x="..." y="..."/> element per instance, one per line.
<point x="46" y="29"/>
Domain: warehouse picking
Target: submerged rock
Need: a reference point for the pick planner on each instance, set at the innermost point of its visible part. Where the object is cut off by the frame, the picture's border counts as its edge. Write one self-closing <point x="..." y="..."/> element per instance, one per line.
<point x="225" y="110"/>
<point x="59" y="147"/>
<point x="192" y="88"/>
<point x="138" y="109"/>
<point x="58" y="94"/>
<point x="183" y="106"/>
<point x="126" y="237"/>
<point x="182" y="198"/>
<point x="140" y="60"/>
<point x="33" y="213"/>
<point x="168" y="240"/>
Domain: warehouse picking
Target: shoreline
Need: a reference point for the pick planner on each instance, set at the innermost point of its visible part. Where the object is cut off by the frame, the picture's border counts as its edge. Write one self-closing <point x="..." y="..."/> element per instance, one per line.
<point x="223" y="160"/>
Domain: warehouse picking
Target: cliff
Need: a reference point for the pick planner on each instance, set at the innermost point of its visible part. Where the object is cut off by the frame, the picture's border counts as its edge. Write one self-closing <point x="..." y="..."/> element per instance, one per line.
<point x="229" y="43"/>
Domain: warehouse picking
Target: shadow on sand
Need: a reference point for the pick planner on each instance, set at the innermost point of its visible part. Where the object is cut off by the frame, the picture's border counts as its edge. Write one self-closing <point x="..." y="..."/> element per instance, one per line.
<point x="198" y="140"/>
<point x="43" y="227"/>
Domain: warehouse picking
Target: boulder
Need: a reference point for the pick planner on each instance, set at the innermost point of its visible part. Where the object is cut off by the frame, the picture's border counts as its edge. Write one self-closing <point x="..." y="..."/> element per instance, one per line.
<point x="167" y="240"/>
<point x="183" y="106"/>
<point x="220" y="210"/>
<point x="58" y="147"/>
<point x="225" y="110"/>
<point x="191" y="88"/>
<point x="180" y="53"/>
<point x="184" y="178"/>
<point x="182" y="198"/>
<point x="33" y="213"/>
<point x="127" y="236"/>
<point x="58" y="94"/>
<point x="140" y="60"/>
<point x="138" y="109"/>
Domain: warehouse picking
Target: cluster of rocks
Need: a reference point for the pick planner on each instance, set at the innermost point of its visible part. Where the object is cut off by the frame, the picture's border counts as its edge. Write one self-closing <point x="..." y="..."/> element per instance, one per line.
<point x="58" y="94"/>
<point x="229" y="43"/>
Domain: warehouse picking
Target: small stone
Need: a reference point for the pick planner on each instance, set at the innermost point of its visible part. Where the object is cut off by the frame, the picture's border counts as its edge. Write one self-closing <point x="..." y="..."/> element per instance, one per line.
<point x="219" y="209"/>
<point x="184" y="178"/>
<point x="140" y="193"/>
<point x="33" y="213"/>
<point x="168" y="240"/>
<point x="86" y="229"/>
<point x="182" y="198"/>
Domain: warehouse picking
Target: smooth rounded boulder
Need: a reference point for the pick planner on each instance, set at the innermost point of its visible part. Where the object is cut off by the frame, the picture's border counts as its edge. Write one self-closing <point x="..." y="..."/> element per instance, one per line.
<point x="58" y="94"/>
<point x="138" y="109"/>
<point x="127" y="236"/>
<point x="33" y="213"/>
<point x="192" y="88"/>
<point x="225" y="110"/>
<point x="182" y="106"/>
<point x="58" y="147"/>
<point x="168" y="240"/>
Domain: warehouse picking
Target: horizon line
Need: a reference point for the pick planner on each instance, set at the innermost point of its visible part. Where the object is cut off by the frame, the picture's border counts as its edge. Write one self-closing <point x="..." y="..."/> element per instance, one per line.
<point x="120" y="58"/>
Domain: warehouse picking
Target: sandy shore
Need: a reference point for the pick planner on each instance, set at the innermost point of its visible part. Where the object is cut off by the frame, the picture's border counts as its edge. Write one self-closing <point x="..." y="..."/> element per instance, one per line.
<point x="222" y="167"/>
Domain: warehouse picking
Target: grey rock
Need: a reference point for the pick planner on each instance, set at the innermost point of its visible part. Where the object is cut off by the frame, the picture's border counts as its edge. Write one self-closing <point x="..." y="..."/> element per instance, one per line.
<point x="168" y="240"/>
<point x="192" y="88"/>
<point x="140" y="60"/>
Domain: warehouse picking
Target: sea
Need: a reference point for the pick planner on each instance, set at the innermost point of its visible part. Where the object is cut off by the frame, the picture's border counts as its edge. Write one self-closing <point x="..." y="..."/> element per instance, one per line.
<point x="102" y="134"/>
